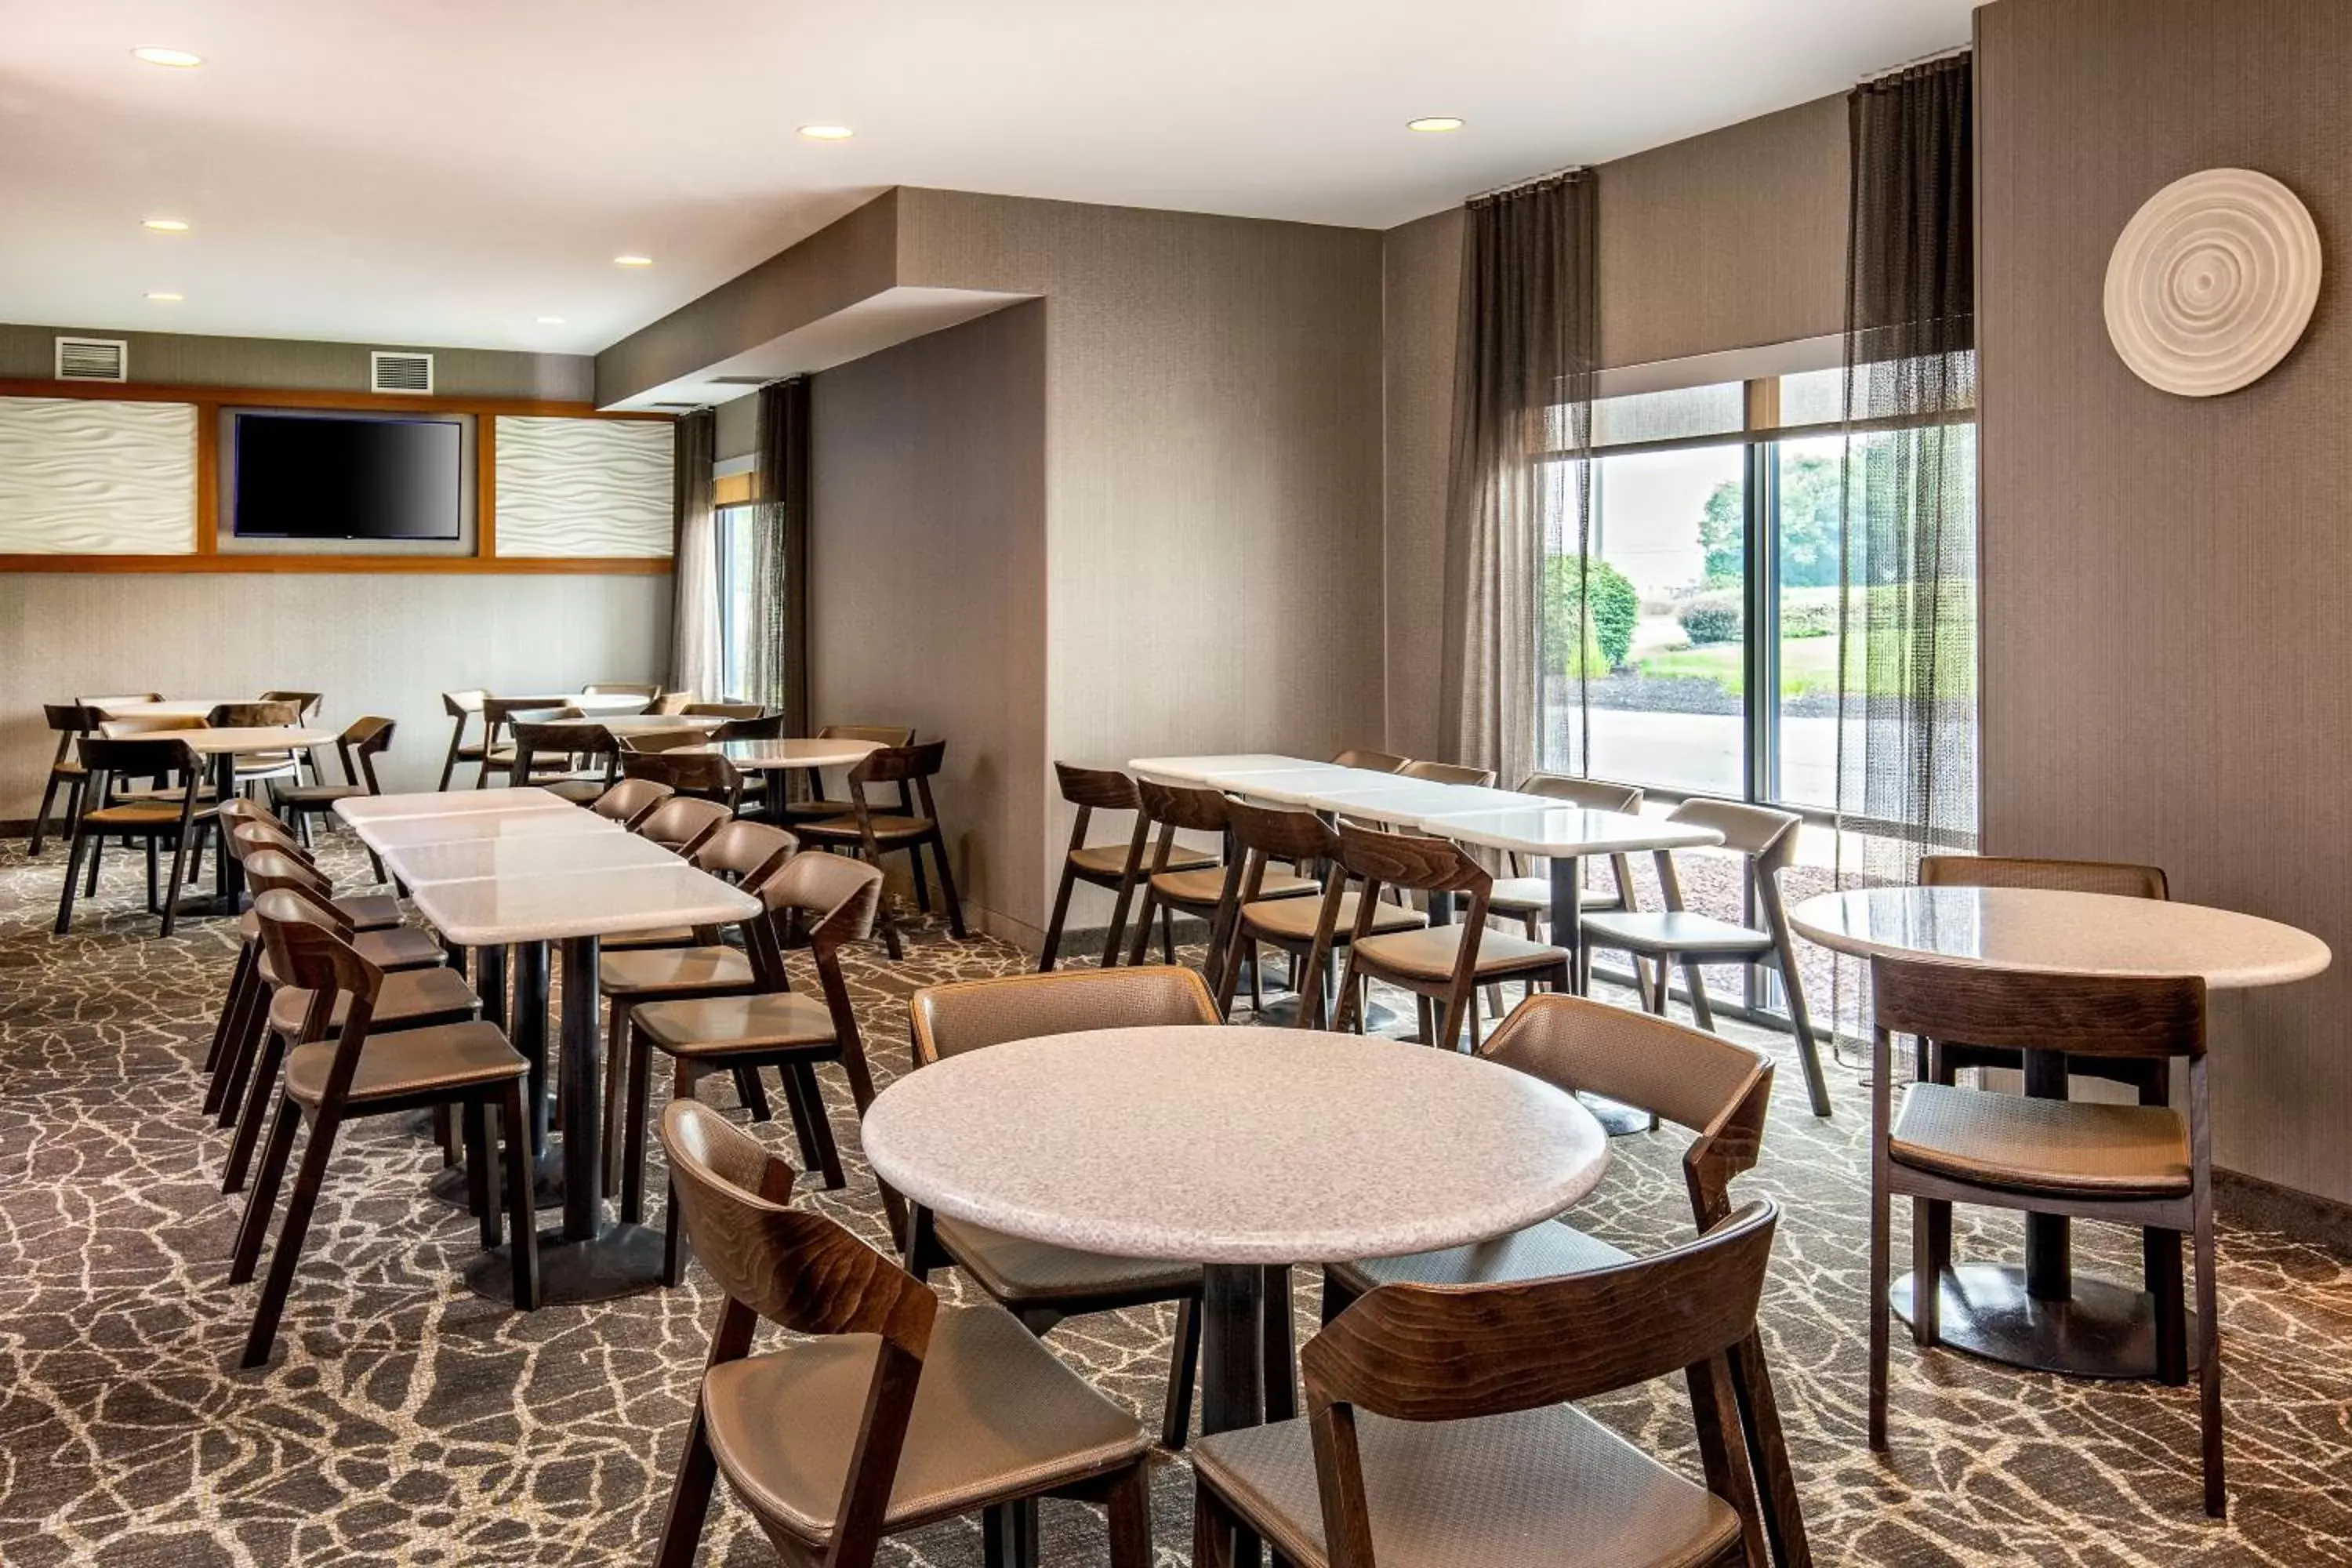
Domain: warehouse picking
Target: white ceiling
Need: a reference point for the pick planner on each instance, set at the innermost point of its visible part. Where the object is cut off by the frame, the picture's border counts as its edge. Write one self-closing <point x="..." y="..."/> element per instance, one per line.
<point x="441" y="171"/>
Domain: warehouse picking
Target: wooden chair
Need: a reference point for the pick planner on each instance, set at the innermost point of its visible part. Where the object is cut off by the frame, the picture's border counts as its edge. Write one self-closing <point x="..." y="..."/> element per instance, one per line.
<point x="1440" y="965"/>
<point x="699" y="775"/>
<point x="357" y="749"/>
<point x="725" y="709"/>
<point x="99" y="816"/>
<point x="1040" y="1283"/>
<point x="327" y="1082"/>
<point x="835" y="1442"/>
<point x="1375" y="762"/>
<point x="819" y="808"/>
<point x="70" y="722"/>
<point x="631" y="801"/>
<point x="2115" y="878"/>
<point x="1111" y="866"/>
<point x="835" y="898"/>
<point x="576" y="761"/>
<point x="1210" y="891"/>
<point x="461" y="706"/>
<point x="498" y="714"/>
<point x="1448" y="772"/>
<point x="1714" y="1089"/>
<point x="1309" y="930"/>
<point x="756" y="727"/>
<point x="1440" y="1429"/>
<point x="1527" y="897"/>
<point x="876" y="834"/>
<point x="671" y="702"/>
<point x="678" y="822"/>
<point x="307" y="705"/>
<point x="645" y="688"/>
<point x="2147" y="1167"/>
<point x="256" y="767"/>
<point x="1767" y="840"/>
<point x="651" y="742"/>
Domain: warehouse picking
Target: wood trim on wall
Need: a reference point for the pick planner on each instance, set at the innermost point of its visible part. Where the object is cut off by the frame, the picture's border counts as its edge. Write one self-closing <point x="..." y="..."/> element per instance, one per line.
<point x="611" y="566"/>
<point x="269" y="397"/>
<point x="207" y="478"/>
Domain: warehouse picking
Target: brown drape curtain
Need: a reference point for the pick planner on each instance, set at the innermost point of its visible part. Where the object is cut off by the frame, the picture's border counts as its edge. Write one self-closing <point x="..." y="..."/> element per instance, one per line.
<point x="777" y="660"/>
<point x="693" y="664"/>
<point x="1522" y="388"/>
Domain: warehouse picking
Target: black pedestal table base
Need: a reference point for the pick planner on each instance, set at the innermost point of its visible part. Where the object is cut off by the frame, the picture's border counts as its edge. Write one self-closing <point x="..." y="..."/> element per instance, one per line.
<point x="2103" y="1330"/>
<point x="620" y="1260"/>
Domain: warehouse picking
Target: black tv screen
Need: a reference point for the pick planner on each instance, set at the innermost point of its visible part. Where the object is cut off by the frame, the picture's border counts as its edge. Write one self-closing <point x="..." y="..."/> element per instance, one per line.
<point x="303" y="475"/>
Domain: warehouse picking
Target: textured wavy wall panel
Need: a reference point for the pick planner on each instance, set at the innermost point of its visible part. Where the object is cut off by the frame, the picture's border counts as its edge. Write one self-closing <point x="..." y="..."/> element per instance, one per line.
<point x="584" y="486"/>
<point x="87" y="477"/>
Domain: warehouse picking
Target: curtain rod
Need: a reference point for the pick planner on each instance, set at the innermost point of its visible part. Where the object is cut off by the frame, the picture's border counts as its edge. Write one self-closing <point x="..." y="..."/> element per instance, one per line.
<point x="1510" y="186"/>
<point x="1956" y="50"/>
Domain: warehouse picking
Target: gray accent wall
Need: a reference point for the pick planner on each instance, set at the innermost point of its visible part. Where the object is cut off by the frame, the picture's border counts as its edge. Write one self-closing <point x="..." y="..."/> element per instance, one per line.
<point x="285" y="364"/>
<point x="2163" y="577"/>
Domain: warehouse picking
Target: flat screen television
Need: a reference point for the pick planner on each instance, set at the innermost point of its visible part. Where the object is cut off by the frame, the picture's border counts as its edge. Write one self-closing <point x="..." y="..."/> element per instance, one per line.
<point x="311" y="476"/>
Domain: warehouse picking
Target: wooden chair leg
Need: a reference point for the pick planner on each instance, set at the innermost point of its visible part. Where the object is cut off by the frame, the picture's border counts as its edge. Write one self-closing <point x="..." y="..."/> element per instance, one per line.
<point x="1128" y="1516"/>
<point x="1881" y="1245"/>
<point x="1212" y="1529"/>
<point x="243" y="974"/>
<point x="522" y="1218"/>
<point x="616" y="1073"/>
<point x="41" y="817"/>
<point x="73" y="876"/>
<point x="2160" y="1253"/>
<point x="947" y="881"/>
<point x="1930" y="1222"/>
<point x="1168" y="935"/>
<point x="2209" y="1370"/>
<point x="1053" y="922"/>
<point x="300" y="1207"/>
<point x="481" y="1190"/>
<point x="633" y="1129"/>
<point x="253" y="1228"/>
<point x="89" y="876"/>
<point x="800" y="1080"/>
<point x="674" y="1246"/>
<point x="1280" y="1372"/>
<point x="256" y="1105"/>
<point x="754" y="1093"/>
<point x="1800" y="1019"/>
<point x="1767" y="1450"/>
<point x="227" y="1090"/>
<point x="1694" y="976"/>
<point x="1183" y="1372"/>
<point x="1141" y="947"/>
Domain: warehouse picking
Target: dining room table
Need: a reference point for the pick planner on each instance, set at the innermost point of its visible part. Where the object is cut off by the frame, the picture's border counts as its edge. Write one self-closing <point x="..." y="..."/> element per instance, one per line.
<point x="1248" y="1149"/>
<point x="2045" y="1314"/>
<point x="776" y="761"/>
<point x="218" y="749"/>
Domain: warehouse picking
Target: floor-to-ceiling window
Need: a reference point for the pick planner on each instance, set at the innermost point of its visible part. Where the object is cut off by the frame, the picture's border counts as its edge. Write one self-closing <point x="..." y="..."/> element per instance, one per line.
<point x="737" y="563"/>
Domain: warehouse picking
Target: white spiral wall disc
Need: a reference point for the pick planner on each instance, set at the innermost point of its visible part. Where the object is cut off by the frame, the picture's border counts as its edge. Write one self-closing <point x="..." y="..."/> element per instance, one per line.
<point x="2212" y="283"/>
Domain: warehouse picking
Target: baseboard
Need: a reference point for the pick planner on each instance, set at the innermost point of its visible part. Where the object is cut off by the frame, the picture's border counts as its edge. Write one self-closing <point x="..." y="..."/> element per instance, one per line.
<point x="1086" y="943"/>
<point x="2249" y="1201"/>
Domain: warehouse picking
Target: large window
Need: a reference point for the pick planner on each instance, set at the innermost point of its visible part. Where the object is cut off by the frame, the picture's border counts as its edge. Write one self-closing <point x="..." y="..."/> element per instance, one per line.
<point x="738" y="560"/>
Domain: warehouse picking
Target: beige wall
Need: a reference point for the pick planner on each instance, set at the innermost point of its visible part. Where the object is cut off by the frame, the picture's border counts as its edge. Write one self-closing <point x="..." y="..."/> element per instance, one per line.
<point x="2162" y="576"/>
<point x="382" y="643"/>
<point x="926" y="576"/>
<point x="1731" y="240"/>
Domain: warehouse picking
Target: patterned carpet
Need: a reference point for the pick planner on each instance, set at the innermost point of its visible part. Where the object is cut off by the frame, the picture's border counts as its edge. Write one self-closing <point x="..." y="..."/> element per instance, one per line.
<point x="405" y="1421"/>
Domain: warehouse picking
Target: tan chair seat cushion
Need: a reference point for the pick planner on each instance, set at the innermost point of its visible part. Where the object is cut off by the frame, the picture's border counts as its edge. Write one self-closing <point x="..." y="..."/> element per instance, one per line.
<point x="1542" y="1486"/>
<point x="1672" y="930"/>
<point x="673" y="969"/>
<point x="1110" y="859"/>
<point x="666" y="936"/>
<point x="1207" y="885"/>
<point x="319" y="794"/>
<point x="149" y="812"/>
<point x="1431" y="953"/>
<point x="996" y="1415"/>
<point x="413" y="1061"/>
<point x="1293" y="919"/>
<point x="2012" y="1140"/>
<point x="367" y="911"/>
<point x="885" y="828"/>
<point x="725" y="1026"/>
<point x="1538" y="1252"/>
<point x="411" y="998"/>
<point x="1027" y="1273"/>
<point x="1532" y="895"/>
<point x="578" y="791"/>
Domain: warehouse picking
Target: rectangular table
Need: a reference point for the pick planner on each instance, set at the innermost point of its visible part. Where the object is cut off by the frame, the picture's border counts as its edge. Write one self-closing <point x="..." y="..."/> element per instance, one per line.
<point x="568" y="854"/>
<point x="450" y="803"/>
<point x="221" y="748"/>
<point x="389" y="835"/>
<point x="1195" y="771"/>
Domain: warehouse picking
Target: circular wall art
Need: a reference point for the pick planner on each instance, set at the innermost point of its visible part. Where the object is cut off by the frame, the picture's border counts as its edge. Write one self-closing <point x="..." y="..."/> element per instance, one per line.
<point x="2212" y="281"/>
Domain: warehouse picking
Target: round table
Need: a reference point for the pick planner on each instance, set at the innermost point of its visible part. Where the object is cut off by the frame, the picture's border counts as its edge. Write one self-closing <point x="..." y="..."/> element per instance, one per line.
<point x="1243" y="1148"/>
<point x="2044" y="1316"/>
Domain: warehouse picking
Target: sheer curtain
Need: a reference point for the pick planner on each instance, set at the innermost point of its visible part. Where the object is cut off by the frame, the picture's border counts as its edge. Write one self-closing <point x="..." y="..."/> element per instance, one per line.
<point x="776" y="639"/>
<point x="1516" y="489"/>
<point x="695" y="663"/>
<point x="1906" y="762"/>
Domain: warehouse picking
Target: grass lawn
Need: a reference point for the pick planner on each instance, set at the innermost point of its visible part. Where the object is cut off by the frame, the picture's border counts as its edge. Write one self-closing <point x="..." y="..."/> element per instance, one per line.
<point x="1808" y="666"/>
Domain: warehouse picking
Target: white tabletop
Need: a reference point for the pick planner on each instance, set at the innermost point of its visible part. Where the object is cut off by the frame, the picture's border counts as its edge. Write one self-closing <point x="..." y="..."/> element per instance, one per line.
<point x="641" y="724"/>
<point x="492" y="912"/>
<point x="1568" y="830"/>
<point x="1233" y="1144"/>
<point x="1196" y="772"/>
<point x="1405" y="800"/>
<point x="773" y="756"/>
<point x="265" y="738"/>
<point x="1298" y="785"/>
<point x="472" y="859"/>
<point x="394" y="833"/>
<point x="176" y="708"/>
<point x="604" y="703"/>
<point x="2060" y="932"/>
<point x="448" y="802"/>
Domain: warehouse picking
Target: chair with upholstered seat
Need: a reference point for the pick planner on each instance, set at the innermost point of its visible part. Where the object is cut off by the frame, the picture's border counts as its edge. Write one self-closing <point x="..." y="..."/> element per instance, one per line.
<point x="1766" y="841"/>
<point x="630" y="801"/>
<point x="757" y="726"/>
<point x="1310" y="930"/>
<point x="690" y="774"/>
<point x="1111" y="866"/>
<point x="498" y="717"/>
<point x="307" y="705"/>
<point x="874" y="833"/>
<point x="1442" y="1429"/>
<point x="575" y="761"/>
<point x="357" y="748"/>
<point x="1441" y="965"/>
<point x="1207" y="890"/>
<point x="2147" y="1167"/>
<point x="1448" y="772"/>
<point x="817" y="805"/>
<point x="671" y="703"/>
<point x="1528" y="899"/>
<point x="887" y="1411"/>
<point x="1373" y="762"/>
<point x="70" y="722"/>
<point x="340" y="1073"/>
<point x="1042" y="1283"/>
<point x="1714" y="1089"/>
<point x="461" y="707"/>
<point x="154" y="819"/>
<point x="724" y="710"/>
<point x="835" y="898"/>
<point x="645" y="688"/>
<point x="269" y="713"/>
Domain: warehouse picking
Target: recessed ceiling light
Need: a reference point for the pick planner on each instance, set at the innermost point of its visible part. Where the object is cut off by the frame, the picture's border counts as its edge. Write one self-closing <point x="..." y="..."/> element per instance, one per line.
<point x="1434" y="122"/>
<point x="165" y="224"/>
<point x="633" y="261"/>
<point x="551" y="321"/>
<point x="827" y="133"/>
<point x="178" y="59"/>
<point x="164" y="298"/>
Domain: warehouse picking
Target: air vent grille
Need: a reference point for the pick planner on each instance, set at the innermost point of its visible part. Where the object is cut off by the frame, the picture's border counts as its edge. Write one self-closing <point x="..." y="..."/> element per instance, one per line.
<point x="391" y="370"/>
<point x="93" y="359"/>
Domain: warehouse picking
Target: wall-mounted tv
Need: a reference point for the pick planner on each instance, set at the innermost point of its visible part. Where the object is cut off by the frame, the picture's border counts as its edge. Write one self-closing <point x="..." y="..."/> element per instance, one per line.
<point x="327" y="476"/>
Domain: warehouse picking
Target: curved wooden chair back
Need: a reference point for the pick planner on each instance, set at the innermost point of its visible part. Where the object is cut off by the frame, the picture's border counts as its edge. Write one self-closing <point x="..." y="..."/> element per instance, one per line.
<point x="309" y="955"/>
<point x="463" y="705"/>
<point x="1715" y="1088"/>
<point x="880" y="734"/>
<point x="361" y="742"/>
<point x="669" y="704"/>
<point x="70" y="719"/>
<point x="1190" y="810"/>
<point x="2081" y="1015"/>
<point x="1424" y="864"/>
<point x="250" y="836"/>
<point x="1592" y="794"/>
<point x="2117" y="878"/>
<point x="683" y="823"/>
<point x="701" y="773"/>
<point x="761" y="727"/>
<point x="1762" y="833"/>
<point x="245" y="809"/>
<point x="274" y="870"/>
<point x="306" y="704"/>
<point x="1448" y="772"/>
<point x="1096" y="789"/>
<point x="743" y="852"/>
<point x="838" y="896"/>
<point x="1268" y="833"/>
<point x="1376" y="762"/>
<point x="136" y="758"/>
<point x="896" y="765"/>
<point x="725" y="709"/>
<point x="631" y="801"/>
<point x="968" y="1014"/>
<point x="652" y="742"/>
<point x="261" y="715"/>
